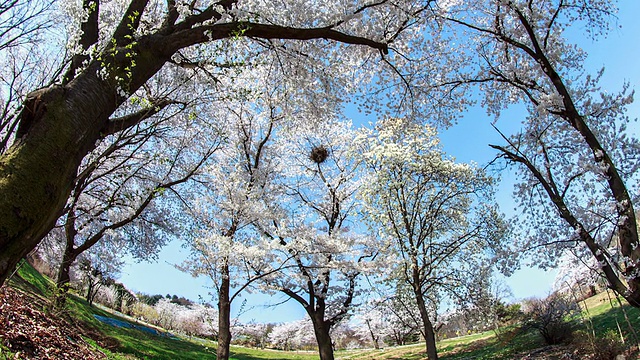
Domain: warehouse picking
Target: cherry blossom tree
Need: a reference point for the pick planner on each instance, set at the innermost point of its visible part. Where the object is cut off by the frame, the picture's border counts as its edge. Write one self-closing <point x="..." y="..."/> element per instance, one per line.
<point x="256" y="334"/>
<point x="576" y="159"/>
<point x="485" y="307"/>
<point x="116" y="195"/>
<point x="189" y="319"/>
<point x="577" y="275"/>
<point x="116" y="47"/>
<point x="234" y="196"/>
<point x="391" y="319"/>
<point x="96" y="273"/>
<point x="439" y="213"/>
<point x="313" y="234"/>
<point x="344" y="337"/>
<point x="371" y="325"/>
<point x="292" y="335"/>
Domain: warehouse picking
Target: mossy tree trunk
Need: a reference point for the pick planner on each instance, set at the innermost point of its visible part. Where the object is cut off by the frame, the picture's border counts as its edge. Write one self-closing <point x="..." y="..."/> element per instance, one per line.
<point x="61" y="125"/>
<point x="58" y="127"/>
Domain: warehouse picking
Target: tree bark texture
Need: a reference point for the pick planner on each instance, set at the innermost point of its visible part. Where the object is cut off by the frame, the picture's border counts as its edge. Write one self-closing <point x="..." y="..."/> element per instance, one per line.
<point x="429" y="332"/>
<point x="37" y="172"/>
<point x="63" y="278"/>
<point x="59" y="126"/>
<point x="427" y="326"/>
<point x="627" y="230"/>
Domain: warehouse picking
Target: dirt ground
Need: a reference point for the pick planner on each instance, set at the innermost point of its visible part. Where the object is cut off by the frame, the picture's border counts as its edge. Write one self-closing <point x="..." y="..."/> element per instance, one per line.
<point x="29" y="332"/>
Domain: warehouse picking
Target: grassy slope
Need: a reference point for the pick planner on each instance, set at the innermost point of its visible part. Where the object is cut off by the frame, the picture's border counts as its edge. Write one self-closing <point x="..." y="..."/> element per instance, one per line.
<point x="599" y="316"/>
<point x="123" y="343"/>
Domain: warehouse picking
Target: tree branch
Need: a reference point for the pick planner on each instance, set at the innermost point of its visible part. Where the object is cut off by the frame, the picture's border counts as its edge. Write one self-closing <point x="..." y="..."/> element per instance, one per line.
<point x="130" y="21"/>
<point x="121" y="123"/>
<point x="90" y="33"/>
<point x="206" y="33"/>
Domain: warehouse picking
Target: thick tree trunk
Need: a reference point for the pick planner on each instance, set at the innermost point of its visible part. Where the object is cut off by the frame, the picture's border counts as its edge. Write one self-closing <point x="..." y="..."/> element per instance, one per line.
<point x="321" y="330"/>
<point x="59" y="126"/>
<point x="224" y="316"/>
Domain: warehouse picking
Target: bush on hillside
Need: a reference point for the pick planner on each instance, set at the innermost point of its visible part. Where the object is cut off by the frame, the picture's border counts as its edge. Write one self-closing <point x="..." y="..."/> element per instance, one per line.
<point x="552" y="317"/>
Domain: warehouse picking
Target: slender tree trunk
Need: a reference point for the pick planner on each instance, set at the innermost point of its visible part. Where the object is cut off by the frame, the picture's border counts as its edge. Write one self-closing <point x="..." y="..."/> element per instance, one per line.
<point x="63" y="279"/>
<point x="427" y="326"/>
<point x="374" y="338"/>
<point x="629" y="290"/>
<point x="224" y="315"/>
<point x="89" y="296"/>
<point x="429" y="333"/>
<point x="68" y="257"/>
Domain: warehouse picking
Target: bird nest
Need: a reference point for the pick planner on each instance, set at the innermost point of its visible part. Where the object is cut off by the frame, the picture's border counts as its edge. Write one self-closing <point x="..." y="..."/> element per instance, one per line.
<point x="319" y="154"/>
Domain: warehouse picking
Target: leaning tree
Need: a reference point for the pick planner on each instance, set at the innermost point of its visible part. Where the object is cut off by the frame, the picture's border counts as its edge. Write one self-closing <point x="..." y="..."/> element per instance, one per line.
<point x="116" y="47"/>
<point x="576" y="159"/>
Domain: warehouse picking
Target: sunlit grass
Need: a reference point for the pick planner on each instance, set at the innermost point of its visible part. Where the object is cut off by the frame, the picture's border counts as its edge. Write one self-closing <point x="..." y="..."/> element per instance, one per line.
<point x="30" y="280"/>
<point x="604" y="313"/>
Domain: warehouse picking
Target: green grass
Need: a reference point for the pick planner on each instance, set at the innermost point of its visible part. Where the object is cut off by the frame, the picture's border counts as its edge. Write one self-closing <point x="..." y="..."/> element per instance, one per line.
<point x="30" y="280"/>
<point x="140" y="344"/>
<point x="242" y="353"/>
<point x="493" y="348"/>
<point x="126" y="343"/>
<point x="486" y="346"/>
<point x="122" y="343"/>
<point x="605" y="314"/>
<point x="129" y="344"/>
<point x="599" y="316"/>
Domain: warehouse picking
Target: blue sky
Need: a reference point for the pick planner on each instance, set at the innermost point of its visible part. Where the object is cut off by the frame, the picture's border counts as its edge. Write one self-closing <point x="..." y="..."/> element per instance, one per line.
<point x="468" y="141"/>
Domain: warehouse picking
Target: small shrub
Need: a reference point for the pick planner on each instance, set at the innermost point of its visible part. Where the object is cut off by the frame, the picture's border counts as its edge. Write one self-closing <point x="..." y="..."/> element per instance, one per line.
<point x="552" y="317"/>
<point x="607" y="347"/>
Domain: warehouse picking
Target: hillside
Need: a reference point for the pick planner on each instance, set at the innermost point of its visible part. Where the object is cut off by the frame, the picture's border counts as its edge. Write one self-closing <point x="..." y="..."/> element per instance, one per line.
<point x="30" y="329"/>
